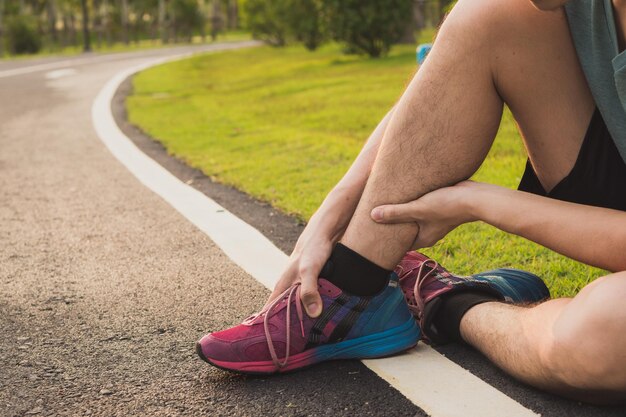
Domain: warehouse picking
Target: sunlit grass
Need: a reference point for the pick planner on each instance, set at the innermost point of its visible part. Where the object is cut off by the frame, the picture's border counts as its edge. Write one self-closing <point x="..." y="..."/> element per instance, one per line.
<point x="285" y="124"/>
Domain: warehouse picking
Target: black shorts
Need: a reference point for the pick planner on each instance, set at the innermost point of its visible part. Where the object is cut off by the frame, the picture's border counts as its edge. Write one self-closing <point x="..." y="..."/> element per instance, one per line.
<point x="598" y="177"/>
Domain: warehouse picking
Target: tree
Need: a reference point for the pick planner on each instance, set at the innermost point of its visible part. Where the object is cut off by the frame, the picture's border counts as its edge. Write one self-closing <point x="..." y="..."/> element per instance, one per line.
<point x="86" y="35"/>
<point x="368" y="26"/>
<point x="269" y="20"/>
<point x="233" y="14"/>
<point x="416" y="22"/>
<point x="124" y="21"/>
<point x="52" y="21"/>
<point x="217" y="23"/>
<point x="67" y="10"/>
<point x="186" y="17"/>
<point x="22" y="35"/>
<point x="306" y="22"/>
<point x="1" y="28"/>
<point x="163" y="34"/>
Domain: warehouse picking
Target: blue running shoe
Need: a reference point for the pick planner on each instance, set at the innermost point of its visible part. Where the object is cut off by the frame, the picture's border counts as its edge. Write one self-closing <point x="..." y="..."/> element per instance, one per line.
<point x="424" y="282"/>
<point x="283" y="338"/>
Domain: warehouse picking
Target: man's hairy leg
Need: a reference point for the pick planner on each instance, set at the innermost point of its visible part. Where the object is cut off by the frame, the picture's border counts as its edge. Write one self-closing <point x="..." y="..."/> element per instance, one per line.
<point x="440" y="132"/>
<point x="572" y="347"/>
<point x="446" y="120"/>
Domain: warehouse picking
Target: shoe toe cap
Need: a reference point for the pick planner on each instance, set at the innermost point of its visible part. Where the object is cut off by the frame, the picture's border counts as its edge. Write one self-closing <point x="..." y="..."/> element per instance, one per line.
<point x="211" y="348"/>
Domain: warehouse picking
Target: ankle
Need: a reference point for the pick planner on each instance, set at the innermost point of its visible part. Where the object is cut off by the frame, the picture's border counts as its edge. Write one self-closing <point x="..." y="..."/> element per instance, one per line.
<point x="453" y="309"/>
<point x="354" y="273"/>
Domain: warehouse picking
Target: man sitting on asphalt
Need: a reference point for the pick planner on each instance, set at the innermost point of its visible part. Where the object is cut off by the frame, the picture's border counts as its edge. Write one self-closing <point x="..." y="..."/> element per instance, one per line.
<point x="562" y="72"/>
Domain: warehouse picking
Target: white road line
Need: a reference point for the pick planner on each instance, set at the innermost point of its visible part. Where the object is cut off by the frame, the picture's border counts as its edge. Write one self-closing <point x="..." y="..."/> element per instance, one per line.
<point x="437" y="385"/>
<point x="94" y="59"/>
<point x="53" y="75"/>
<point x="53" y="65"/>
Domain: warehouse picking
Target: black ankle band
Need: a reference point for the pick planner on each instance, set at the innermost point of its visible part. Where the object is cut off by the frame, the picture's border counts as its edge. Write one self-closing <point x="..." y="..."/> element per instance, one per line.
<point x="452" y="309"/>
<point x="353" y="273"/>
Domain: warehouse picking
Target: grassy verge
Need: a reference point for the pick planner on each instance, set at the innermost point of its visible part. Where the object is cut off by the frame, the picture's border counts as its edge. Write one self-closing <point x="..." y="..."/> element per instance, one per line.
<point x="285" y="124"/>
<point x="122" y="47"/>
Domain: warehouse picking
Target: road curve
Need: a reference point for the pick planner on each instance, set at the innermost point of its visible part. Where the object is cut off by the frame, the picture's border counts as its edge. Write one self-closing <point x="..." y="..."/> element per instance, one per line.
<point x="104" y="288"/>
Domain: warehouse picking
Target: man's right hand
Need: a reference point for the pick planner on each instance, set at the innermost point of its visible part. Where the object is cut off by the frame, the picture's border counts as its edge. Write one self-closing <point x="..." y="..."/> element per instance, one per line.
<point x="305" y="264"/>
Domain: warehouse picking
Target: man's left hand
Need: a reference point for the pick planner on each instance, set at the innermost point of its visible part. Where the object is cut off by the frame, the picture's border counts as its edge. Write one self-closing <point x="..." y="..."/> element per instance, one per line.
<point x="436" y="213"/>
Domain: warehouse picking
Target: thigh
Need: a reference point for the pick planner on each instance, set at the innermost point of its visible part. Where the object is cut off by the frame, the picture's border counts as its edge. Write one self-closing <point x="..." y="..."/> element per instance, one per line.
<point x="592" y="330"/>
<point x="537" y="73"/>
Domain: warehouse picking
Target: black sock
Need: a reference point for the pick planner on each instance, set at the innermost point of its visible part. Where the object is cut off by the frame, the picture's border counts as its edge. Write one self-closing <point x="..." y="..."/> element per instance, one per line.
<point x="353" y="273"/>
<point x="453" y="307"/>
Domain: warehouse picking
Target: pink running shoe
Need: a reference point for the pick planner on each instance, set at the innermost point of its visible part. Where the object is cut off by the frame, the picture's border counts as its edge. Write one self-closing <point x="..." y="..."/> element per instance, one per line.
<point x="282" y="337"/>
<point x="424" y="282"/>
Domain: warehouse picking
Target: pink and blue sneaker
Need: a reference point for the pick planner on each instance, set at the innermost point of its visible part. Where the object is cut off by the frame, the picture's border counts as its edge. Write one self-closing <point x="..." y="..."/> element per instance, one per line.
<point x="424" y="282"/>
<point x="283" y="338"/>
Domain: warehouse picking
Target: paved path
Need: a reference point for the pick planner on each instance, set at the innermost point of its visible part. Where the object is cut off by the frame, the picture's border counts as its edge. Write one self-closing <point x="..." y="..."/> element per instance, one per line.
<point x="104" y="287"/>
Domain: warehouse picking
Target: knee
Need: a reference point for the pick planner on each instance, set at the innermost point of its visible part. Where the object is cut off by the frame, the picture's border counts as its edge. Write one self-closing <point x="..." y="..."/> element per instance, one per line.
<point x="587" y="350"/>
<point x="499" y="19"/>
<point x="500" y="29"/>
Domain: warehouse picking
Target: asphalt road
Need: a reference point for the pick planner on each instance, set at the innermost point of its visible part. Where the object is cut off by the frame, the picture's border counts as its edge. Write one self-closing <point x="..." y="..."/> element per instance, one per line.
<point x="104" y="288"/>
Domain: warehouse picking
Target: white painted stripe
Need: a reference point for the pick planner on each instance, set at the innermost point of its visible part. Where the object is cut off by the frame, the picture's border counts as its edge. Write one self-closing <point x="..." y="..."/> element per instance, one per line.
<point x="53" y="65"/>
<point x="443" y="388"/>
<point x="29" y="69"/>
<point x="437" y="385"/>
<point x="53" y="75"/>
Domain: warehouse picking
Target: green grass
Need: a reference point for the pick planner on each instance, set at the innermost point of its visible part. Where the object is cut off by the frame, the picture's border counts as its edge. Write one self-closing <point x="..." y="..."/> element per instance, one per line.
<point x="285" y="124"/>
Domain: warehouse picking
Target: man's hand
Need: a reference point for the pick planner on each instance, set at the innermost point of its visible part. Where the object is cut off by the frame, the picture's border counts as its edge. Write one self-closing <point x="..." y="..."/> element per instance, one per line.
<point x="305" y="264"/>
<point x="436" y="213"/>
<point x="558" y="225"/>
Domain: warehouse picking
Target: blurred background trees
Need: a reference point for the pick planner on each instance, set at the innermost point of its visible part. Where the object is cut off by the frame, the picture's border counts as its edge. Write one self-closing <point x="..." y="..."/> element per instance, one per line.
<point x="369" y="26"/>
<point x="363" y="26"/>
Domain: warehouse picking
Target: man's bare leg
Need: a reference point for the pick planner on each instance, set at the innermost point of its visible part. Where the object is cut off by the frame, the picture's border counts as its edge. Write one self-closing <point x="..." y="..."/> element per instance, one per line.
<point x="561" y="345"/>
<point x="487" y="52"/>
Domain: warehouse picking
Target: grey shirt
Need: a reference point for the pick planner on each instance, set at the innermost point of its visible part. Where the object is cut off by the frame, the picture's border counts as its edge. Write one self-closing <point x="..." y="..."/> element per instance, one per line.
<point x="595" y="38"/>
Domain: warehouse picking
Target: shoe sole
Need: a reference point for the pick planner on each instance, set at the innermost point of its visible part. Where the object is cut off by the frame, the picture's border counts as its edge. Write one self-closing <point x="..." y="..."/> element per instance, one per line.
<point x="376" y="345"/>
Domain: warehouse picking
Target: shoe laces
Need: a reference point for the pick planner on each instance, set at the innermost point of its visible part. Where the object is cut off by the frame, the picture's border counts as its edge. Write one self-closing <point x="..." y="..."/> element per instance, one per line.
<point x="420" y="281"/>
<point x="288" y="295"/>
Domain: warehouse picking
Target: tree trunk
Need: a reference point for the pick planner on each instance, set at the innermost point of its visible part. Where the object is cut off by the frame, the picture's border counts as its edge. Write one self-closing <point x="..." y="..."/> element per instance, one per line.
<point x="202" y="10"/>
<point x="72" y="28"/>
<point x="97" y="22"/>
<point x="106" y="23"/>
<point x="124" y="12"/>
<point x="52" y="22"/>
<point x="86" y="34"/>
<point x="216" y="20"/>
<point x="174" y="27"/>
<point x="233" y="12"/>
<point x="1" y="29"/>
<point x="442" y="5"/>
<point x="163" y="23"/>
<point x="419" y="13"/>
<point x="64" y="39"/>
<point x="408" y="37"/>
